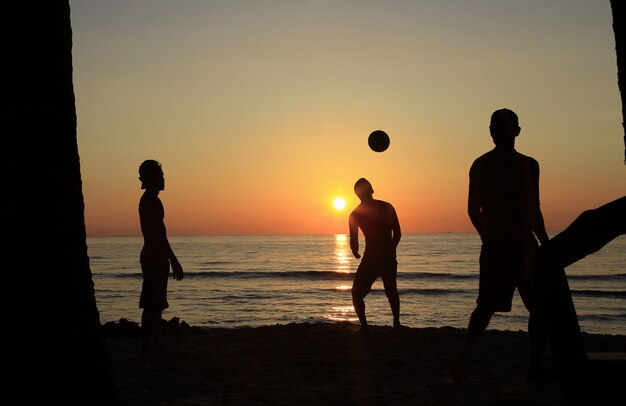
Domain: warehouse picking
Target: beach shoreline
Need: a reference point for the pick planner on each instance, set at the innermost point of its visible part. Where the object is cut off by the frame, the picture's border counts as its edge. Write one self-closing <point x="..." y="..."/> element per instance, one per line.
<point x="328" y="363"/>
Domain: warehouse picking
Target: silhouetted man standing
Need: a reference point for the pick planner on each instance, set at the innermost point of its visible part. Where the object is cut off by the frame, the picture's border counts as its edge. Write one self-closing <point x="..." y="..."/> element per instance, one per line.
<point x="156" y="256"/>
<point x="503" y="206"/>
<point x="380" y="226"/>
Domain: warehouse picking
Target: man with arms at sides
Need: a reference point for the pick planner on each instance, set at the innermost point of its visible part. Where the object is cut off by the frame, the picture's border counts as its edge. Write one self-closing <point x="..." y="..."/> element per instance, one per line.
<point x="503" y="205"/>
<point x="380" y="226"/>
<point x="156" y="256"/>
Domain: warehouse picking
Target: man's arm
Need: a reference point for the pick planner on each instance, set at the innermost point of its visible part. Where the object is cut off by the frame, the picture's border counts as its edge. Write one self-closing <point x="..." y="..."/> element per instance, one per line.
<point x="151" y="215"/>
<point x="395" y="228"/>
<point x="177" y="268"/>
<point x="354" y="235"/>
<point x="473" y="204"/>
<point x="538" y="224"/>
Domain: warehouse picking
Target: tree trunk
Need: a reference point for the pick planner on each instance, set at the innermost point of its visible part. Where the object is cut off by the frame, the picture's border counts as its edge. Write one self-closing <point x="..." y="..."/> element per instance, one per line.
<point x="591" y="231"/>
<point x="55" y="350"/>
<point x="618" y="7"/>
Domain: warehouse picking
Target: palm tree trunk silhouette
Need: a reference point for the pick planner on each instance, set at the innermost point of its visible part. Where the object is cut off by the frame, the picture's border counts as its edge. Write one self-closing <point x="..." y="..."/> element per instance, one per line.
<point x="54" y="350"/>
<point x="589" y="233"/>
<point x="618" y="7"/>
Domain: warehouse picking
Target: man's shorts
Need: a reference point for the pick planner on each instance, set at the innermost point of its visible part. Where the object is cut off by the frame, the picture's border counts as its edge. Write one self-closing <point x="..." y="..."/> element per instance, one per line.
<point x="154" y="287"/>
<point x="370" y="268"/>
<point x="501" y="271"/>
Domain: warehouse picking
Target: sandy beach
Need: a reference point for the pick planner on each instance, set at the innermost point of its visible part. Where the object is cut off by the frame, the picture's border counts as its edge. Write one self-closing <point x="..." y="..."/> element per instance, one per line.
<point x="313" y="364"/>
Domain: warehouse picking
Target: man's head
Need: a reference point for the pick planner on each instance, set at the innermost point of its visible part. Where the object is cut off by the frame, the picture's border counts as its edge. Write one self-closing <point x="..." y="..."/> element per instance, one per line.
<point x="363" y="189"/>
<point x="151" y="175"/>
<point x="504" y="127"/>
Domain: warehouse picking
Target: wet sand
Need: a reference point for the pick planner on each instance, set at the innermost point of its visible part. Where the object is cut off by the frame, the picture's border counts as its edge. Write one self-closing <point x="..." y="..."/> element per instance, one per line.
<point x="317" y="364"/>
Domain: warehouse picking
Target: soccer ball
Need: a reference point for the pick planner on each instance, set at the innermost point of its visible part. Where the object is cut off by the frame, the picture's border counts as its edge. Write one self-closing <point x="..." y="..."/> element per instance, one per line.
<point x="378" y="141"/>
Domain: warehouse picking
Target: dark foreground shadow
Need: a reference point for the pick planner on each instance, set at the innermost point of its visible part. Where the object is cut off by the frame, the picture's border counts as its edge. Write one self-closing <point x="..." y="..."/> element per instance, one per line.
<point x="328" y="363"/>
<point x="591" y="231"/>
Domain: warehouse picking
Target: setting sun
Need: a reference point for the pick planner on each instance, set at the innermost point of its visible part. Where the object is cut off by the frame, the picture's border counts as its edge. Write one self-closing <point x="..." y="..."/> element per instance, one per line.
<point x="339" y="203"/>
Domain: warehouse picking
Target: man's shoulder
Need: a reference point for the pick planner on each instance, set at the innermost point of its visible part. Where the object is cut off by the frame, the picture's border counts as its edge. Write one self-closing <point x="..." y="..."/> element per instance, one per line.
<point x="383" y="203"/>
<point x="527" y="158"/>
<point x="492" y="155"/>
<point x="356" y="211"/>
<point x="528" y="162"/>
<point x="481" y="161"/>
<point x="484" y="157"/>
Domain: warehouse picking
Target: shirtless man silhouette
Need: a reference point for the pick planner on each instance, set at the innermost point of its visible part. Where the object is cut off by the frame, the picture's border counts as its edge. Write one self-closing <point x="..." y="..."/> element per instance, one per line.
<point x="156" y="256"/>
<point x="503" y="205"/>
<point x="380" y="226"/>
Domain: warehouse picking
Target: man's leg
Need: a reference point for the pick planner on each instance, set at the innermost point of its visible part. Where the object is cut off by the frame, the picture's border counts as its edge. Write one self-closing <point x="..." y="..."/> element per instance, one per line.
<point x="391" y="291"/>
<point x="360" y="288"/>
<point x="537" y="334"/>
<point x="479" y="320"/>
<point x="158" y="344"/>
<point x="536" y="331"/>
<point x="151" y="330"/>
<point x="145" y="336"/>
<point x="493" y="257"/>
<point x="394" y="303"/>
<point x="147" y="330"/>
<point x="359" y="306"/>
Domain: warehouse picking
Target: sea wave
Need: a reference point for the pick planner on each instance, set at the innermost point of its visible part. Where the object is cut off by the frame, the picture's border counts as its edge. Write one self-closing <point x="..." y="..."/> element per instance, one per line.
<point x="602" y="317"/>
<point x="416" y="291"/>
<point x="618" y="294"/>
<point x="349" y="276"/>
<point x="336" y="275"/>
<point x="605" y="277"/>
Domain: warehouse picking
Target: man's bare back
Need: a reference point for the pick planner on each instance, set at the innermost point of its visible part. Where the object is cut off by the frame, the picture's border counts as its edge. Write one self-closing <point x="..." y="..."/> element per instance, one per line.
<point x="504" y="193"/>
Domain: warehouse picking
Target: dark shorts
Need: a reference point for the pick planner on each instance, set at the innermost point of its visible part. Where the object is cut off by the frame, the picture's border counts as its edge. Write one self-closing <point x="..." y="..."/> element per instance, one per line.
<point x="501" y="271"/>
<point x="154" y="287"/>
<point x="370" y="269"/>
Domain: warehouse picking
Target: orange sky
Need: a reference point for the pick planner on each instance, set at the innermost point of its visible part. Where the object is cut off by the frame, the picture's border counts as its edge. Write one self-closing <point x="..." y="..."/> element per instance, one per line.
<point x="260" y="111"/>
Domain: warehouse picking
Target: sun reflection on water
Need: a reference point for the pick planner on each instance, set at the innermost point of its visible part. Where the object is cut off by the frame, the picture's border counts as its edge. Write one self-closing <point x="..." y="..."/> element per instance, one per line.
<point x="342" y="251"/>
<point x="343" y="258"/>
<point x="342" y="313"/>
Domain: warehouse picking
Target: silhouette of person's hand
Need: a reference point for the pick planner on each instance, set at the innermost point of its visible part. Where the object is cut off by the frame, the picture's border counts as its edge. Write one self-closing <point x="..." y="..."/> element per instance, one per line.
<point x="177" y="270"/>
<point x="356" y="254"/>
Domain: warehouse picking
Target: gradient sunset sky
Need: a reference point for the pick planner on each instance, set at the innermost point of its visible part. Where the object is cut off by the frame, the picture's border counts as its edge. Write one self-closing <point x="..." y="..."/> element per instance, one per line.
<point x="259" y="111"/>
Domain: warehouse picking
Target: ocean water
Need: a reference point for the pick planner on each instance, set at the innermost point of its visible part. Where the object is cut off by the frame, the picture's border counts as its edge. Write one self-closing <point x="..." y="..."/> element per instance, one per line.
<point x="241" y="281"/>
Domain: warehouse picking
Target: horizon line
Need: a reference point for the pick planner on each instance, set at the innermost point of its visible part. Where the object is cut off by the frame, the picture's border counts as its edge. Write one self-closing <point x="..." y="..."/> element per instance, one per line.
<point x="270" y="234"/>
